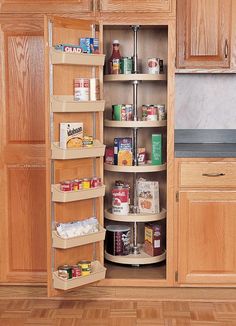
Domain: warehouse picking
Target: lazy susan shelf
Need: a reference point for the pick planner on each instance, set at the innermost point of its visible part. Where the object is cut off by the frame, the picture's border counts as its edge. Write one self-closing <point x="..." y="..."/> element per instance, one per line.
<point x="68" y="196"/>
<point x="141" y="259"/>
<point x="98" y="273"/>
<point x="135" y="217"/>
<point x="137" y="169"/>
<point x="84" y="59"/>
<point x="135" y="124"/>
<point x="58" y="242"/>
<point x="97" y="150"/>
<point x="66" y="103"/>
<point x="132" y="77"/>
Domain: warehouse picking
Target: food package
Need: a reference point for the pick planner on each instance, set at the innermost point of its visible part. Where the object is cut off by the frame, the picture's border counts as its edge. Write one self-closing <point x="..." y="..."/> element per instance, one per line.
<point x="156" y="149"/>
<point x="109" y="155"/>
<point x="90" y="45"/>
<point x="153" y="242"/>
<point x="123" y="151"/>
<point x="77" y="228"/>
<point x="148" y="196"/>
<point x="71" y="135"/>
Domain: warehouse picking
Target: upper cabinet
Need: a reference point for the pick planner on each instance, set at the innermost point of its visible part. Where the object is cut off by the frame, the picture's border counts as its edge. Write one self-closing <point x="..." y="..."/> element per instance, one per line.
<point x="203" y="33"/>
<point x="162" y="6"/>
<point x="45" y="6"/>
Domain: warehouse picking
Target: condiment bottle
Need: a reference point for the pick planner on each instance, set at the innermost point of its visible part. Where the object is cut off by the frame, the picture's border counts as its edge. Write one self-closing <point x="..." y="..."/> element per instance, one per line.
<point x="114" y="61"/>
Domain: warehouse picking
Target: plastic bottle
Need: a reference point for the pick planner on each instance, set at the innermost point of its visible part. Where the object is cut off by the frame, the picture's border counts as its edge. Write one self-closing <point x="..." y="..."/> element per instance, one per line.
<point x="114" y="61"/>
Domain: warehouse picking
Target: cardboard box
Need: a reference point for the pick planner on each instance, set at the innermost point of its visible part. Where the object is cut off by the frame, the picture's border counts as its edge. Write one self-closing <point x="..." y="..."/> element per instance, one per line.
<point x="157" y="149"/>
<point x="71" y="135"/>
<point x="153" y="242"/>
<point x="123" y="151"/>
<point x="148" y="196"/>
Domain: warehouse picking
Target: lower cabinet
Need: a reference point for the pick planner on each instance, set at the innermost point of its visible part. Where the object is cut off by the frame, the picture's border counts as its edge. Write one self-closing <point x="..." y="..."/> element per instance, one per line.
<point x="206" y="237"/>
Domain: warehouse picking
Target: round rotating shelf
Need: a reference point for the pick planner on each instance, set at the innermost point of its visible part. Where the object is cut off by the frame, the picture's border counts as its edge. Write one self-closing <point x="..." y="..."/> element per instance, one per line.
<point x="137" y="169"/>
<point x="132" y="77"/>
<point x="135" y="124"/>
<point x="141" y="259"/>
<point x="135" y="217"/>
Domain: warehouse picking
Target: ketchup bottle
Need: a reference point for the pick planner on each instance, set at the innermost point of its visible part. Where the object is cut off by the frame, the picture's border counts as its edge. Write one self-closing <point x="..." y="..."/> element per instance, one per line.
<point x="114" y="61"/>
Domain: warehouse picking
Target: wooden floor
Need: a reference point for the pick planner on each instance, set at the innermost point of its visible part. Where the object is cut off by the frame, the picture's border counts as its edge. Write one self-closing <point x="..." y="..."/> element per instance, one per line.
<point x="17" y="312"/>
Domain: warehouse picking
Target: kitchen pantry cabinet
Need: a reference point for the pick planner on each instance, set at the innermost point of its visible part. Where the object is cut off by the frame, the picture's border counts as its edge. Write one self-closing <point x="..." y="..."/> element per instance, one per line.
<point x="46" y="6"/>
<point x="159" y="6"/>
<point x="206" y="223"/>
<point x="203" y="33"/>
<point x="22" y="152"/>
<point x="69" y="164"/>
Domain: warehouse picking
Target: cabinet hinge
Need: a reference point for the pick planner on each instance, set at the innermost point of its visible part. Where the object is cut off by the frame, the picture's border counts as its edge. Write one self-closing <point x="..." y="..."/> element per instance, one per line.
<point x="176" y="276"/>
<point x="177" y="196"/>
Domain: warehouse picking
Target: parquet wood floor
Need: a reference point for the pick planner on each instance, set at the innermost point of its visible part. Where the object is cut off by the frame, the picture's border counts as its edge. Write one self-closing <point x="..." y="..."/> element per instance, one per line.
<point x="49" y="312"/>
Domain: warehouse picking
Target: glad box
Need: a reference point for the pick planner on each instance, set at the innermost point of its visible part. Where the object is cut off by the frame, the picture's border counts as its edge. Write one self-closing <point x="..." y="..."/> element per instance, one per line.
<point x="148" y="196"/>
<point x="71" y="135"/>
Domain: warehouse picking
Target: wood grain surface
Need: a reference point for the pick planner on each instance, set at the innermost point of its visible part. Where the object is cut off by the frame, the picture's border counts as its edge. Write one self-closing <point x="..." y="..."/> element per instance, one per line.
<point x="117" y="313"/>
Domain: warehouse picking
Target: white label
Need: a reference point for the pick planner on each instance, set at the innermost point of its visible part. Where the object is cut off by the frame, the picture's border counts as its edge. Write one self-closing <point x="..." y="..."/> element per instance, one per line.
<point x="157" y="243"/>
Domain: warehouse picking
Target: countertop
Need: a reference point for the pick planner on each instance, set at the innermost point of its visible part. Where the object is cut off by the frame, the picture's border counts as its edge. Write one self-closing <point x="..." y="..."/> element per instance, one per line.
<point x="205" y="143"/>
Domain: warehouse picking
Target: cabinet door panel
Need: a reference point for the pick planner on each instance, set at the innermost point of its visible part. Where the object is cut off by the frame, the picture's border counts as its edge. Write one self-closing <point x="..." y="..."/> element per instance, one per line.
<point x="22" y="153"/>
<point x="45" y="6"/>
<point x="207" y="226"/>
<point x="203" y="33"/>
<point x="135" y="6"/>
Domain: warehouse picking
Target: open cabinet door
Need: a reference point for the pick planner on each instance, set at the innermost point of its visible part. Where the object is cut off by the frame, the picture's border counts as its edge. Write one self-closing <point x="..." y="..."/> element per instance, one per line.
<point x="76" y="160"/>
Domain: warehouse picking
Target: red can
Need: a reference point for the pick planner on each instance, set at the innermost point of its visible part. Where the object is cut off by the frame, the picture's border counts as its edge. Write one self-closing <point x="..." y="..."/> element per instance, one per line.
<point x="77" y="184"/>
<point x="120" y="200"/>
<point x="151" y="113"/>
<point x="76" y="271"/>
<point x="66" y="185"/>
<point x="95" y="182"/>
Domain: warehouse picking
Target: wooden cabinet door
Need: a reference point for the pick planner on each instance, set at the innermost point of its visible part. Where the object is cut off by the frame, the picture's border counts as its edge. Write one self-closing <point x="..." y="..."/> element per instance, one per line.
<point x="45" y="6"/>
<point x="206" y="235"/>
<point x="22" y="152"/>
<point x="137" y="6"/>
<point x="203" y="33"/>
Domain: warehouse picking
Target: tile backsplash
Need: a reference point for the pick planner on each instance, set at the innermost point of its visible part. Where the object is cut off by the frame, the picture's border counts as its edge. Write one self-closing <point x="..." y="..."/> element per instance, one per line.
<point x="205" y="101"/>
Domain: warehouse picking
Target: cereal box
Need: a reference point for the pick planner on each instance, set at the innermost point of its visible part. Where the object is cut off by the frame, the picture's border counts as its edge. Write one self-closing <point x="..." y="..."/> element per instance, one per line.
<point x="123" y="151"/>
<point x="153" y="242"/>
<point x="90" y="44"/>
<point x="148" y="196"/>
<point x="71" y="135"/>
<point x="109" y="155"/>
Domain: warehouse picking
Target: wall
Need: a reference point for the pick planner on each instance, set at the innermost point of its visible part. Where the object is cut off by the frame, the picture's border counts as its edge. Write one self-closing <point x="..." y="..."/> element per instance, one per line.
<point x="205" y="101"/>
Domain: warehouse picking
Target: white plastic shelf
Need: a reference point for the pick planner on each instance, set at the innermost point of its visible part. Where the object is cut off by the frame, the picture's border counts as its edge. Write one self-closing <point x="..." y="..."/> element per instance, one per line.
<point x="137" y="169"/>
<point x="58" y="242"/>
<point x="132" y="77"/>
<point x="97" y="150"/>
<point x="98" y="273"/>
<point x="66" y="103"/>
<point x="69" y="196"/>
<point x="135" y="217"/>
<point x="137" y="259"/>
<point x="83" y="59"/>
<point x="135" y="124"/>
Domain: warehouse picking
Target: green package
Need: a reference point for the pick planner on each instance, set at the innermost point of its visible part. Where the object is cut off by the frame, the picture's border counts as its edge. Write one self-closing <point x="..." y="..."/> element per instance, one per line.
<point x="156" y="149"/>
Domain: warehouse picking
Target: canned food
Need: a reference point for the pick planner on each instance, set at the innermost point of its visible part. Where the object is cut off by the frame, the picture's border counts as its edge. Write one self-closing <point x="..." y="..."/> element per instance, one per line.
<point x="115" y="66"/>
<point x="77" y="184"/>
<point x="153" y="66"/>
<point x="161" y="111"/>
<point x="117" y="240"/>
<point x="144" y="112"/>
<point x="95" y="182"/>
<point x="66" y="185"/>
<point x="126" y="65"/>
<point x="65" y="272"/>
<point x="129" y="112"/>
<point x="88" y="141"/>
<point x="151" y="113"/>
<point x="120" y="200"/>
<point x="81" y="89"/>
<point x="76" y="271"/>
<point x="118" y="112"/>
<point x="86" y="183"/>
<point x="85" y="266"/>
